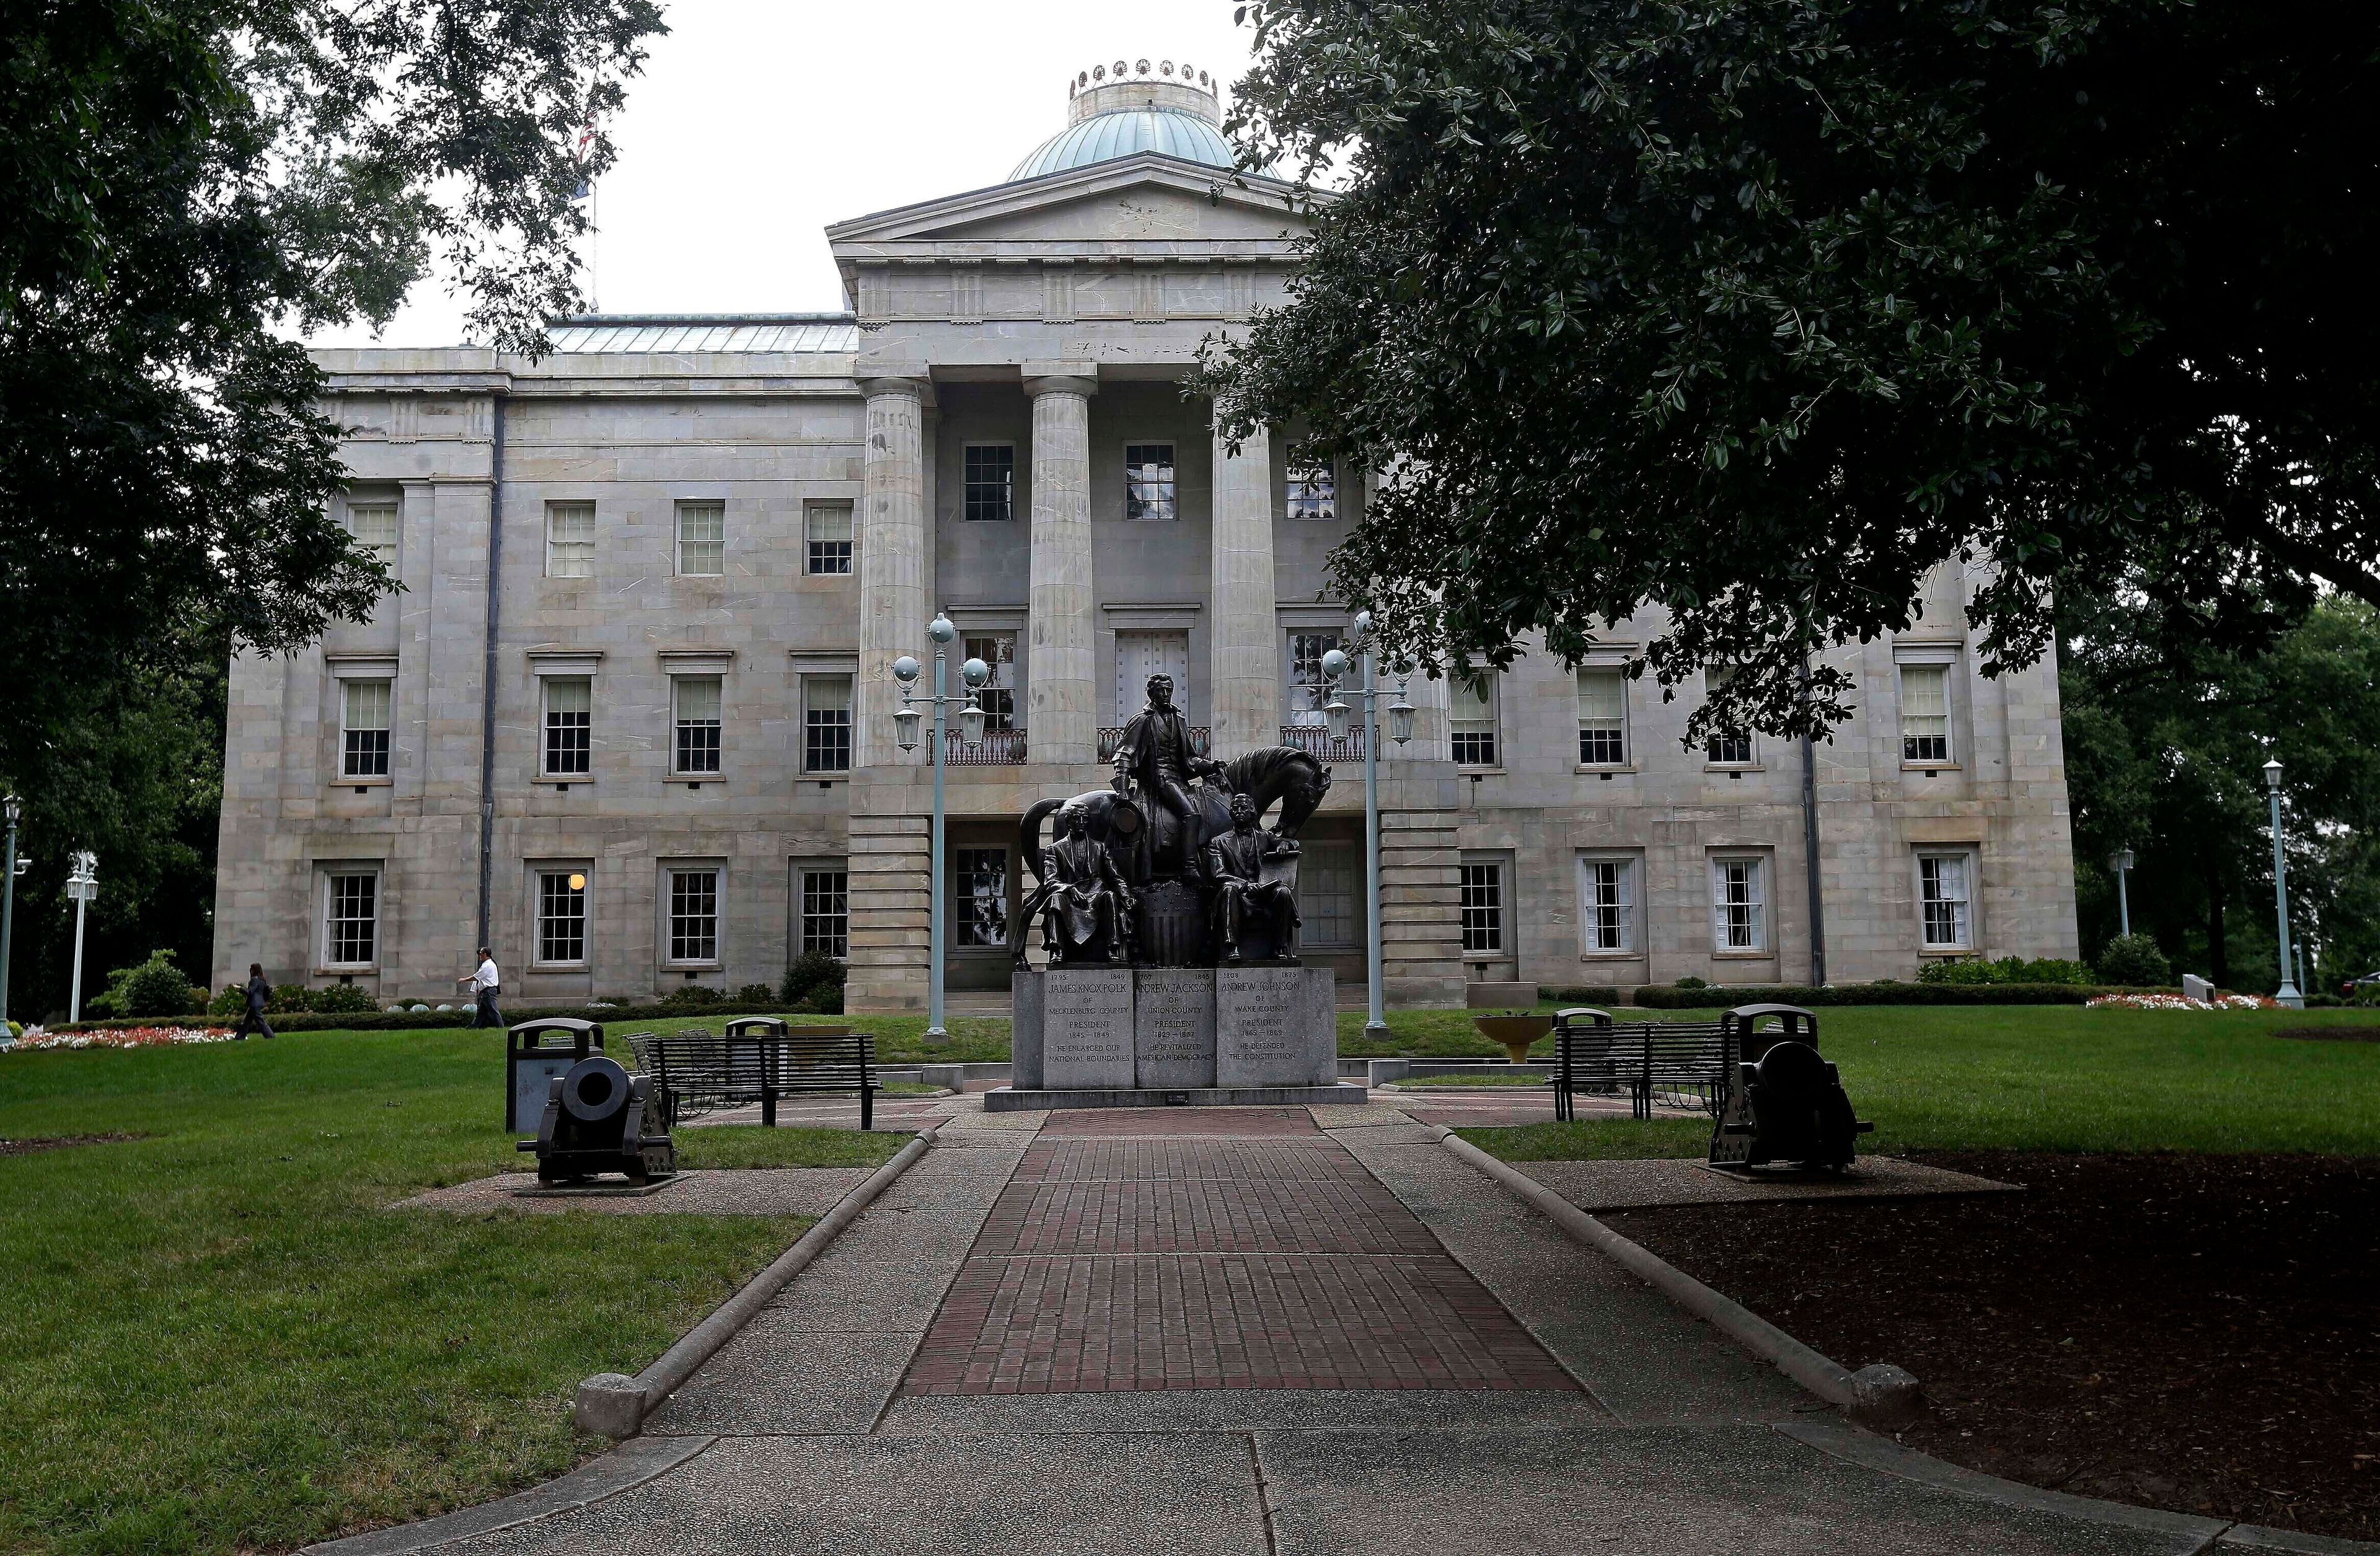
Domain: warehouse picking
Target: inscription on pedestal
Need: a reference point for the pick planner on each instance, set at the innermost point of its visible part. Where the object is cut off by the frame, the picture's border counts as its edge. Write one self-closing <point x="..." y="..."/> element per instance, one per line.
<point x="1274" y="1026"/>
<point x="1087" y="1028"/>
<point x="1174" y="1028"/>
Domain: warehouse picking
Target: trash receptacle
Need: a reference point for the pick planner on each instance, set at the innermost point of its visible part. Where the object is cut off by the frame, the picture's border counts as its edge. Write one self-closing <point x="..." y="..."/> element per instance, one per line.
<point x="536" y="1052"/>
<point x="766" y="1035"/>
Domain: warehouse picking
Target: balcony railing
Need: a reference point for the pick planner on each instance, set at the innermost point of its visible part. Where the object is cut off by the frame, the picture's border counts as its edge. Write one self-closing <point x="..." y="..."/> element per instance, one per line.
<point x="999" y="747"/>
<point x="1315" y="741"/>
<point x="1111" y="736"/>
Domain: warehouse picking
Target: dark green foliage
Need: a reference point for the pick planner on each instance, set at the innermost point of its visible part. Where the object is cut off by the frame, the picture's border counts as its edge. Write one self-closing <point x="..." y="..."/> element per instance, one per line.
<point x="188" y="186"/>
<point x="231" y="999"/>
<point x="754" y="994"/>
<point x="814" y="983"/>
<point x="1691" y="982"/>
<point x="2134" y="960"/>
<point x="1759" y="312"/>
<point x="340" y="999"/>
<point x="2011" y="970"/>
<point x="1669" y="997"/>
<point x="155" y="987"/>
<point x="691" y="996"/>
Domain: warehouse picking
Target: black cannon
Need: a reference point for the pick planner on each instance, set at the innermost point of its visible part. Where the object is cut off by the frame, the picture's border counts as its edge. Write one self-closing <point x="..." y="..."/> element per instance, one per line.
<point x="1783" y="1104"/>
<point x="596" y="1117"/>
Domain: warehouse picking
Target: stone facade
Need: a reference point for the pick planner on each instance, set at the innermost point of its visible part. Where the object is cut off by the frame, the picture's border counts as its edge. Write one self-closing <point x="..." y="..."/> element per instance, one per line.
<point x="669" y="495"/>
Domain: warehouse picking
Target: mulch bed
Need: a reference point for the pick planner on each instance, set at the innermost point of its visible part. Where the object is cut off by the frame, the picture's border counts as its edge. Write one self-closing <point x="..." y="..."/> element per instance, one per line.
<point x="2194" y="1332"/>
<point x="58" y="1142"/>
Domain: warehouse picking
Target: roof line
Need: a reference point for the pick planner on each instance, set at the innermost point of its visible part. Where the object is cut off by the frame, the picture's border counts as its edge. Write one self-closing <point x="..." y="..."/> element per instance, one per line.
<point x="1090" y="167"/>
<point x="597" y="319"/>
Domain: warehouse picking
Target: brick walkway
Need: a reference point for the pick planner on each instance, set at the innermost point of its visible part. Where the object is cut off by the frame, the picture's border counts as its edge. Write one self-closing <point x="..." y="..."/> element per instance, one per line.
<point x="1220" y="1249"/>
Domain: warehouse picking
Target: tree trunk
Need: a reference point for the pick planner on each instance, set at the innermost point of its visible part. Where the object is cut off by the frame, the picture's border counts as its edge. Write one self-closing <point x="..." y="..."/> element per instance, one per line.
<point x="2218" y="965"/>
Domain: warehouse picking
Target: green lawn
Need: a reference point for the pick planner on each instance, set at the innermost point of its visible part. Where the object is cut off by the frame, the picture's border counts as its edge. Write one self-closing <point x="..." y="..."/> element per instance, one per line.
<point x="2057" y="1078"/>
<point x="215" y="1338"/>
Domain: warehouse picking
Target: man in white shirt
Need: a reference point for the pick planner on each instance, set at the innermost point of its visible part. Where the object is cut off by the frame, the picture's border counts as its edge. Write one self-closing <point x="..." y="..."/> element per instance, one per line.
<point x="483" y="984"/>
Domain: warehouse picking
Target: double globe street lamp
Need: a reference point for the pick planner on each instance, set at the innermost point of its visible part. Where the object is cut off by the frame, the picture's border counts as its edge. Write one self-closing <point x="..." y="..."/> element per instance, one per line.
<point x="1335" y="666"/>
<point x="975" y="672"/>
<point x="2289" y="994"/>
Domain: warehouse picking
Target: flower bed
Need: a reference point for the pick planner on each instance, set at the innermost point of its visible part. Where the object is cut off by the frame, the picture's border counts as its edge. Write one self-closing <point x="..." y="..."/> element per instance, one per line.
<point x="2184" y="1002"/>
<point x="36" y="1039"/>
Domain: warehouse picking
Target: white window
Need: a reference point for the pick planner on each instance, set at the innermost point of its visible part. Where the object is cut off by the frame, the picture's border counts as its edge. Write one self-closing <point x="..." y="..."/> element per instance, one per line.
<point x="373" y="525"/>
<point x="826" y="912"/>
<point x="350" y="920"/>
<point x="696" y="746"/>
<point x="1739" y="906"/>
<point x="363" y="729"/>
<point x="570" y="725"/>
<point x="829" y="538"/>
<point x="1481" y="906"/>
<point x="1925" y="713"/>
<point x="1472" y="700"/>
<point x="693" y="916"/>
<point x="1148" y="480"/>
<point x="570" y="540"/>
<point x="1313" y="486"/>
<point x="1329" y="892"/>
<point x="561" y="918"/>
<point x="1308" y="690"/>
<point x="702" y="539"/>
<point x="1602" y="718"/>
<point x="1726" y="748"/>
<point x="1944" y="901"/>
<point x="979" y="896"/>
<point x="998" y="698"/>
<point x="1607" y="905"/>
<point x="826" y="724"/>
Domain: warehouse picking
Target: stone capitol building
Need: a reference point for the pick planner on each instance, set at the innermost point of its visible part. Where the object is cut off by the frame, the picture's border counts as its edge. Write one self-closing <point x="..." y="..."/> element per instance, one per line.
<point x="633" y="709"/>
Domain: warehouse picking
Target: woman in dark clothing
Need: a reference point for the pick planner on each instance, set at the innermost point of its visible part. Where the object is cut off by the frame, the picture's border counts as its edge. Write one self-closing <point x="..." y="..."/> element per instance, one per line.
<point x="257" y="993"/>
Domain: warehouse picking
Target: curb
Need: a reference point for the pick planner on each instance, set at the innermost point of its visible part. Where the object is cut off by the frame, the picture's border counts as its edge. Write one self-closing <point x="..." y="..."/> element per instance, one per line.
<point x="1879" y="1395"/>
<point x="616" y="1405"/>
<point x="626" y="1467"/>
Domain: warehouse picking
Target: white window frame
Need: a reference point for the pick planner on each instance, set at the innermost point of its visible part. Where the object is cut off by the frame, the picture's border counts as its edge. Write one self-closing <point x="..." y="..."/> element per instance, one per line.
<point x="961" y="901"/>
<point x="545" y="727"/>
<point x="827" y="873"/>
<point x="701" y="510"/>
<point x="1299" y="501"/>
<point x="1457" y="727"/>
<point x="1595" y="914"/>
<point x="388" y="548"/>
<point x="539" y="874"/>
<point x="1494" y="873"/>
<point x="386" y="690"/>
<point x="563" y="555"/>
<point x="838" y="565"/>
<point x="670" y="873"/>
<point x="1004" y="642"/>
<point x="1948" y="735"/>
<point x="679" y="721"/>
<point x="1722" y="900"/>
<point x="1302" y="682"/>
<point x="1627" y="745"/>
<point x="1715" y="754"/>
<point x="811" y="686"/>
<point x="1962" y="908"/>
<point x="326" y="897"/>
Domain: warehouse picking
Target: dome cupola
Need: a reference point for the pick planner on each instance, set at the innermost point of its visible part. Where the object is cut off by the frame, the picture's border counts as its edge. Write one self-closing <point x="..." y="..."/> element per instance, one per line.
<point x="1122" y="109"/>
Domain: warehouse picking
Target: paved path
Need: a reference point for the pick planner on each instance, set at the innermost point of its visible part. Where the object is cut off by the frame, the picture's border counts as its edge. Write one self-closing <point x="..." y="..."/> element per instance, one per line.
<point x="1259" y="1331"/>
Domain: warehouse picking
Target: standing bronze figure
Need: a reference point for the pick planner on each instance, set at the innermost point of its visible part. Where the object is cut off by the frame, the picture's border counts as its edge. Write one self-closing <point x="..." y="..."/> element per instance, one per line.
<point x="1154" y="754"/>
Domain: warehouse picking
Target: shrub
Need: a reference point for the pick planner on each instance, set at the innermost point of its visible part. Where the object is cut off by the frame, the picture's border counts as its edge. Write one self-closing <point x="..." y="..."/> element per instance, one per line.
<point x="825" y="1000"/>
<point x="755" y="994"/>
<point x="232" y="1001"/>
<point x="694" y="994"/>
<point x="1692" y="983"/>
<point x="809" y="970"/>
<point x="2134" y="960"/>
<point x="156" y="986"/>
<point x="2007" y="969"/>
<point x="340" y="999"/>
<point x="1666" y="997"/>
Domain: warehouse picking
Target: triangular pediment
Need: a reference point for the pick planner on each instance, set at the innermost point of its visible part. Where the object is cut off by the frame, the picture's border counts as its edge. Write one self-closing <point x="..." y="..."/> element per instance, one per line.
<point x="1145" y="199"/>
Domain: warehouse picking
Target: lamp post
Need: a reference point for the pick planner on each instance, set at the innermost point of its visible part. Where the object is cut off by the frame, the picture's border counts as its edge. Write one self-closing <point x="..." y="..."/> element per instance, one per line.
<point x="2120" y="861"/>
<point x="1335" y="666"/>
<point x="82" y="886"/>
<point x="973" y="672"/>
<point x="2287" y="994"/>
<point x="14" y="808"/>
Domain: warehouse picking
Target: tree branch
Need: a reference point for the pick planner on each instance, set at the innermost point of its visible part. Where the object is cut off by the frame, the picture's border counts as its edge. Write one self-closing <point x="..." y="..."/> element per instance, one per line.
<point x="2307" y="558"/>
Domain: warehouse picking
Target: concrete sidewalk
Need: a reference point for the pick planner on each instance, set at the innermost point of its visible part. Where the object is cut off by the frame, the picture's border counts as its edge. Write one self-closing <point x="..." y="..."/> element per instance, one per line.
<point x="1271" y="1332"/>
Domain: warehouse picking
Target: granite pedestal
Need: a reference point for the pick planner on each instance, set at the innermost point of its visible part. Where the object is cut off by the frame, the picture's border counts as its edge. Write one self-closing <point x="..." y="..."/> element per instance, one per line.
<point x="1158" y="1037"/>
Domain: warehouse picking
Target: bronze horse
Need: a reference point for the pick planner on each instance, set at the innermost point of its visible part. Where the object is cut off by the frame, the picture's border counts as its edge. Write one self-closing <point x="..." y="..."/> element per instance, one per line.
<point x="1274" y="773"/>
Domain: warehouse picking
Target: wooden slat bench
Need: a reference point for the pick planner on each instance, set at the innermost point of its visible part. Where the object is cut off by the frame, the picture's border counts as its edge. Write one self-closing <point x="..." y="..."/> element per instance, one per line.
<point x="757" y="1059"/>
<point x="1597" y="1054"/>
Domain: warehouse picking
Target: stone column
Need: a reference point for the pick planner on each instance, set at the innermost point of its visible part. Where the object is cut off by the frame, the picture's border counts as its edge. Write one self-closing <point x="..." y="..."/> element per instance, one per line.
<point x="1242" y="639"/>
<point x="892" y="536"/>
<point x="1062" y="700"/>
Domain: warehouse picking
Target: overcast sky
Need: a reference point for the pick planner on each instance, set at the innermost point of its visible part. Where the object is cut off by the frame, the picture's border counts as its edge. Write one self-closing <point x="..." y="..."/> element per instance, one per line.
<point x="757" y="122"/>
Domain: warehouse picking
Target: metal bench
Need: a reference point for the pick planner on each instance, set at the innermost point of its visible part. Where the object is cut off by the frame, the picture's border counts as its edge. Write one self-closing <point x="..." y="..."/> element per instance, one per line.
<point x="757" y="1059"/>
<point x="1594" y="1053"/>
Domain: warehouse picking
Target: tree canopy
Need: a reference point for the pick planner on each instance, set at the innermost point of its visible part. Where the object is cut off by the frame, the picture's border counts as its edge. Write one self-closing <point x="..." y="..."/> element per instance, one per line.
<point x="1754" y="312"/>
<point x="191" y="185"/>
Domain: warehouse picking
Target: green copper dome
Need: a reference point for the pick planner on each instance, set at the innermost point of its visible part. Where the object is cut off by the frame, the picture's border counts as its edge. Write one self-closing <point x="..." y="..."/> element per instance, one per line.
<point x="1172" y="115"/>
